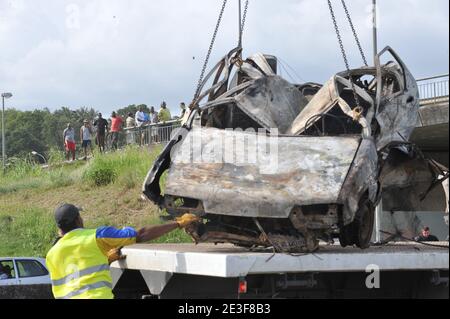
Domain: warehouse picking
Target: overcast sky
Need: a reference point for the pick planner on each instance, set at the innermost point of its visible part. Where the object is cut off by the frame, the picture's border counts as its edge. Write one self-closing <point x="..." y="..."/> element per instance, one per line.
<point x="108" y="54"/>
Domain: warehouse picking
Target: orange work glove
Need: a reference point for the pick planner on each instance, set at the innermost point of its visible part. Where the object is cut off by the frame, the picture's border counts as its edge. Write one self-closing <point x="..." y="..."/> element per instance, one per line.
<point x="186" y="220"/>
<point x="115" y="255"/>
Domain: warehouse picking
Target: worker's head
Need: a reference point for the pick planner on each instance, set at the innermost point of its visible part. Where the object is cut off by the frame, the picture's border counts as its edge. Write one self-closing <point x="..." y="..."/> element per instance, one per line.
<point x="141" y="108"/>
<point x="69" y="125"/>
<point x="86" y="122"/>
<point x="163" y="105"/>
<point x="152" y="109"/>
<point x="68" y="218"/>
<point x="114" y="115"/>
<point x="426" y="232"/>
<point x="130" y="114"/>
<point x="183" y="105"/>
<point x="100" y="115"/>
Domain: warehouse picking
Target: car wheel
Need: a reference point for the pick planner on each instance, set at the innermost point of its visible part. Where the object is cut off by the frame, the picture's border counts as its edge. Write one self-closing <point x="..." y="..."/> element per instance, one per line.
<point x="364" y="222"/>
<point x="345" y="238"/>
<point x="360" y="231"/>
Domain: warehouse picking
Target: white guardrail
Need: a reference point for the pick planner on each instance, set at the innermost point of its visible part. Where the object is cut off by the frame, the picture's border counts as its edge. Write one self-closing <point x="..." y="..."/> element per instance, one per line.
<point x="152" y="134"/>
<point x="434" y="89"/>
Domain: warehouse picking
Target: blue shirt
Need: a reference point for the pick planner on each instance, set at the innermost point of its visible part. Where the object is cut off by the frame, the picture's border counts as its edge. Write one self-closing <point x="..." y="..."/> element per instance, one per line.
<point x="109" y="238"/>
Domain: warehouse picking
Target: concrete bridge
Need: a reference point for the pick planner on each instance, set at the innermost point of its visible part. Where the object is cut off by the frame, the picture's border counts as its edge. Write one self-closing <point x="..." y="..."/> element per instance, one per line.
<point x="432" y="131"/>
<point x="431" y="135"/>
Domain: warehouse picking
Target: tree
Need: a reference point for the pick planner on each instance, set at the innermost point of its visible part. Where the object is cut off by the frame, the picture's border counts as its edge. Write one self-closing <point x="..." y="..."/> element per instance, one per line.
<point x="40" y="130"/>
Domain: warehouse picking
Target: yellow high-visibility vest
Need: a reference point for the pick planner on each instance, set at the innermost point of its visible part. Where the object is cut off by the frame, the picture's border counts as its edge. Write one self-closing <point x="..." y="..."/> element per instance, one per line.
<point x="78" y="268"/>
<point x="164" y="115"/>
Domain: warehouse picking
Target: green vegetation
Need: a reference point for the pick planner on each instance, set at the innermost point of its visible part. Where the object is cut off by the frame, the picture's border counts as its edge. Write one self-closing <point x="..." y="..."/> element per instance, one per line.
<point x="25" y="175"/>
<point x="108" y="188"/>
<point x="28" y="232"/>
<point x="127" y="169"/>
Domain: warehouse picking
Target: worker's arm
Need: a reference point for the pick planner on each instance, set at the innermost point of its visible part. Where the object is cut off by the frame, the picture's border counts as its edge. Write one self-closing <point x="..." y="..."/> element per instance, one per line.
<point x="111" y="238"/>
<point x="147" y="234"/>
<point x="155" y="232"/>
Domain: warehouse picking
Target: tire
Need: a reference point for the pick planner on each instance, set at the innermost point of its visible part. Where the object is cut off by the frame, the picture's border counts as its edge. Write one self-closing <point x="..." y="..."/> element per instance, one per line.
<point x="364" y="223"/>
<point x="359" y="232"/>
<point x="345" y="237"/>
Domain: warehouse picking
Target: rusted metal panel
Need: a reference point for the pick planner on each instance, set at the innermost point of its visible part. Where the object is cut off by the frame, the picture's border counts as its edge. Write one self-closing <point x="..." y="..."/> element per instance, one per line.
<point x="321" y="103"/>
<point x="328" y="97"/>
<point x="272" y="102"/>
<point x="398" y="101"/>
<point x="406" y="182"/>
<point x="263" y="69"/>
<point x="362" y="178"/>
<point x="298" y="171"/>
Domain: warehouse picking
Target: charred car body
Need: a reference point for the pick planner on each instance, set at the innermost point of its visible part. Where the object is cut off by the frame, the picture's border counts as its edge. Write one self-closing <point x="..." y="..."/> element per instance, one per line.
<point x="284" y="165"/>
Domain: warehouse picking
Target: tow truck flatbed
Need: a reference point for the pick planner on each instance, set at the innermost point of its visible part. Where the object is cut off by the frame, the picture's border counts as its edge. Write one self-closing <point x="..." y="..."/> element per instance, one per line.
<point x="166" y="268"/>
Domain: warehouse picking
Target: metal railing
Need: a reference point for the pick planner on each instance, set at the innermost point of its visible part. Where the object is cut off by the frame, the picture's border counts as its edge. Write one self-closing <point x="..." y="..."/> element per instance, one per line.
<point x="434" y="90"/>
<point x="152" y="134"/>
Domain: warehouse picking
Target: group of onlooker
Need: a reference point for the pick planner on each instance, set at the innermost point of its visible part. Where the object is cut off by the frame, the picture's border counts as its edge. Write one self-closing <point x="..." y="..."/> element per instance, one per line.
<point x="102" y="129"/>
<point x="142" y="118"/>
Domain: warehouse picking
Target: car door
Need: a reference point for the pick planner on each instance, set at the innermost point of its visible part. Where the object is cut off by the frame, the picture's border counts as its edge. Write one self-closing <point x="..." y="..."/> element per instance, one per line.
<point x="32" y="272"/>
<point x="397" y="100"/>
<point x="12" y="280"/>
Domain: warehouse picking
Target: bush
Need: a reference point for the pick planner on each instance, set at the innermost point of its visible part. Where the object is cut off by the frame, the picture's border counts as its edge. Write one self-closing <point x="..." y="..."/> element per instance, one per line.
<point x="127" y="168"/>
<point x="100" y="175"/>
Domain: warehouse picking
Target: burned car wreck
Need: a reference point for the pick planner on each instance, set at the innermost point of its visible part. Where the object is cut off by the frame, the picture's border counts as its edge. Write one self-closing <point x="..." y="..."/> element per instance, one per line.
<point x="268" y="163"/>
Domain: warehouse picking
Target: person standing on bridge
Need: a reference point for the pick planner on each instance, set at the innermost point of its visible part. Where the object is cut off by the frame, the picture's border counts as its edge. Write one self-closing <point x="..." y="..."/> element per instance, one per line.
<point x="79" y="261"/>
<point x="164" y="114"/>
<point x="102" y="129"/>
<point x="86" y="138"/>
<point x="69" y="142"/>
<point x="183" y="110"/>
<point x="116" y="127"/>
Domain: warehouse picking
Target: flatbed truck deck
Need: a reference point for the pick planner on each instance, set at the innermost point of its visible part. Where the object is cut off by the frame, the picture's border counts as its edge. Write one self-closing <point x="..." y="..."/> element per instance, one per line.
<point x="397" y="270"/>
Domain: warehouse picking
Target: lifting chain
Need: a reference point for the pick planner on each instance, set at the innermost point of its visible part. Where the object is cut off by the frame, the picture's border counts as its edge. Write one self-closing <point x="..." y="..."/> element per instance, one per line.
<point x="355" y="34"/>
<point x="344" y="54"/>
<point x="208" y="55"/>
<point x="244" y="18"/>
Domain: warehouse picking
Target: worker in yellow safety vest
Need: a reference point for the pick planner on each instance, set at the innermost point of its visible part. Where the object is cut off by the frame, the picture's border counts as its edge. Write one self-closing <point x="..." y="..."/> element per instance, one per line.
<point x="164" y="114"/>
<point x="79" y="261"/>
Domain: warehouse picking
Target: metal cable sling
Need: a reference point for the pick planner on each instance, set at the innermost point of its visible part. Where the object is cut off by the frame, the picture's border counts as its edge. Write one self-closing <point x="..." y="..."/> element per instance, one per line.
<point x="208" y="55"/>
<point x="358" y="109"/>
<point x="355" y="34"/>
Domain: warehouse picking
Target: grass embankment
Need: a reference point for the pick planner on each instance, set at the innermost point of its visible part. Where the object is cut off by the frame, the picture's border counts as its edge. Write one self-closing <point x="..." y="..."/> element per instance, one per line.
<point x="108" y="188"/>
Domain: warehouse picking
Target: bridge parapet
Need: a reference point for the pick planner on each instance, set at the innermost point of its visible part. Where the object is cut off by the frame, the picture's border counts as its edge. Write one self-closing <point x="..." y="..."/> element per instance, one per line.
<point x="434" y="90"/>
